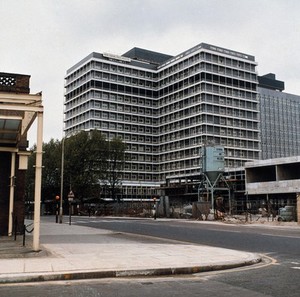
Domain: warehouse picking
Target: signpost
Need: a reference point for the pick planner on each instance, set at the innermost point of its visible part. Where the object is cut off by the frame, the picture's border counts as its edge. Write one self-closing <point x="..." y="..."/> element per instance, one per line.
<point x="56" y="208"/>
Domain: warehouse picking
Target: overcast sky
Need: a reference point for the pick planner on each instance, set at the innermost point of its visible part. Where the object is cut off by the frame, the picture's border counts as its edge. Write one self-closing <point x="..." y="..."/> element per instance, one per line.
<point x="43" y="38"/>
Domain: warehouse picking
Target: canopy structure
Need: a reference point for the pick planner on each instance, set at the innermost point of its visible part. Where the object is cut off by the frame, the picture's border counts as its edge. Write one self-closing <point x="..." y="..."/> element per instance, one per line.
<point x="18" y="111"/>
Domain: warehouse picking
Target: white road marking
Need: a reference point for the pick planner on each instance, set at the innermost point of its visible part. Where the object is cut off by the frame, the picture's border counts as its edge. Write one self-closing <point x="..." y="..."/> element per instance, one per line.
<point x="275" y="235"/>
<point x="230" y="231"/>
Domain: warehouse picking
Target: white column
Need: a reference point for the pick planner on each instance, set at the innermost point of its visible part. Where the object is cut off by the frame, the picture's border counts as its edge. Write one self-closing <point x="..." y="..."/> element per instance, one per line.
<point x="11" y="193"/>
<point x="38" y="183"/>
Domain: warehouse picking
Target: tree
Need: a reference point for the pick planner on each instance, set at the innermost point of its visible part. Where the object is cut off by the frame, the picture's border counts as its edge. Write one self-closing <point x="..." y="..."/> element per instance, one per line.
<point x="114" y="166"/>
<point x="77" y="176"/>
<point x="51" y="169"/>
<point x="86" y="154"/>
<point x="97" y="155"/>
<point x="91" y="164"/>
<point x="50" y="172"/>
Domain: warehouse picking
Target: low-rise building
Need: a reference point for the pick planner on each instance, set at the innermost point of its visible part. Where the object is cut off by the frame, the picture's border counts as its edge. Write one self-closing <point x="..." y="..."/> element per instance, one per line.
<point x="18" y="110"/>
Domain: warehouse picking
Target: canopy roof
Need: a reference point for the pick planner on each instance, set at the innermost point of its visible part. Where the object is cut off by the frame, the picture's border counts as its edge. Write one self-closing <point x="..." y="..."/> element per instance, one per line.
<point x="17" y="113"/>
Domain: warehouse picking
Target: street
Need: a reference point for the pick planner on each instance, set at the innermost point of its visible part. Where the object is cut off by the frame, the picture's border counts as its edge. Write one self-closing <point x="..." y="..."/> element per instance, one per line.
<point x="278" y="275"/>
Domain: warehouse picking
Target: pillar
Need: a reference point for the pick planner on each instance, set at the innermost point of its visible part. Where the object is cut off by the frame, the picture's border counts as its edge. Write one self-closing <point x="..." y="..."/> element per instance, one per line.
<point x="38" y="183"/>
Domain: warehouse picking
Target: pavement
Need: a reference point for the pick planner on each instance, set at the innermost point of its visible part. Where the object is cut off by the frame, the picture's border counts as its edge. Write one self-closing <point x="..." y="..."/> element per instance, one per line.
<point x="70" y="252"/>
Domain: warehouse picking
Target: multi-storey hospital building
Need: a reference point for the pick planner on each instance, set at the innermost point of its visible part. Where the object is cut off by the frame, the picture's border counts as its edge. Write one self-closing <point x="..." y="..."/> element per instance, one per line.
<point x="165" y="108"/>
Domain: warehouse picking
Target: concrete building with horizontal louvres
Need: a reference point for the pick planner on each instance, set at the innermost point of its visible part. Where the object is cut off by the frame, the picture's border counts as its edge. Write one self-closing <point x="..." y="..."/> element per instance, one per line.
<point x="165" y="108"/>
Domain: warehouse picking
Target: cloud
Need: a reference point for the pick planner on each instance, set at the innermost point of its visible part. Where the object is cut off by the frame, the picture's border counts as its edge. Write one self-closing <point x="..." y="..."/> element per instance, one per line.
<point x="45" y="38"/>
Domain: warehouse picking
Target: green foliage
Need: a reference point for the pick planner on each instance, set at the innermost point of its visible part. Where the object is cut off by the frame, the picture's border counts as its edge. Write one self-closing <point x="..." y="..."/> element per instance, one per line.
<point x="92" y="165"/>
<point x="51" y="164"/>
<point x="50" y="173"/>
<point x="84" y="153"/>
<point x="114" y="166"/>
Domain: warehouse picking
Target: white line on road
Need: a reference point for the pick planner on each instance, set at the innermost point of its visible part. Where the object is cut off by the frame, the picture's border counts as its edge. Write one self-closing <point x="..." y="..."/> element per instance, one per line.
<point x="275" y="235"/>
<point x="231" y="231"/>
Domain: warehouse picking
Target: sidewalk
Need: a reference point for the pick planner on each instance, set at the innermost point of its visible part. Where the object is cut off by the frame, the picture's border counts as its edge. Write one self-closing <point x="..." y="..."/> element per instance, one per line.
<point x="75" y="252"/>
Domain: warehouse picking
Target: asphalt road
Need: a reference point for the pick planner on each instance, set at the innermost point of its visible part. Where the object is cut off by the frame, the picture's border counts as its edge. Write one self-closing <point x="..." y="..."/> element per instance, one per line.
<point x="282" y="278"/>
<point x="279" y="276"/>
<point x="241" y="237"/>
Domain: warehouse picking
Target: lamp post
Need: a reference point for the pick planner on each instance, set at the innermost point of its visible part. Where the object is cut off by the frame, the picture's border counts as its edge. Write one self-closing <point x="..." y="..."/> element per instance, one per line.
<point x="62" y="180"/>
<point x="62" y="174"/>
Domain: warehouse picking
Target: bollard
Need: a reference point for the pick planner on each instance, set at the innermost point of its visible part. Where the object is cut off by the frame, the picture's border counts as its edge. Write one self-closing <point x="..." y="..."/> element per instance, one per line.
<point x="298" y="208"/>
<point x="15" y="227"/>
<point x="24" y="234"/>
<point x="28" y="231"/>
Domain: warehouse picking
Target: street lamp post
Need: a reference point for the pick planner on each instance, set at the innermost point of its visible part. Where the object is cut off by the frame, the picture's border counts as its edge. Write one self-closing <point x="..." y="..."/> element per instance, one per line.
<point x="62" y="174"/>
<point x="62" y="180"/>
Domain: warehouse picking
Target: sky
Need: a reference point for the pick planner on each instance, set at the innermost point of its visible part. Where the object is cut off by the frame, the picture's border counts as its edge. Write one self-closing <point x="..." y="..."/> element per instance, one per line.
<point x="44" y="38"/>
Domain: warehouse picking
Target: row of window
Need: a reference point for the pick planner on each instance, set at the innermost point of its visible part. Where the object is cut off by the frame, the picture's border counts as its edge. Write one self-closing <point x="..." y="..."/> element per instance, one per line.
<point x="124" y="70"/>
<point x="232" y="112"/>
<point x="140" y="167"/>
<point x="125" y="118"/>
<point x="107" y="125"/>
<point x="78" y="101"/>
<point x="213" y="58"/>
<point x="233" y="101"/>
<point x="79" y="72"/>
<point x="213" y="69"/>
<point x="249" y="144"/>
<point x="227" y="90"/>
<point x="170" y="131"/>
<point x="140" y="101"/>
<point x="71" y="85"/>
<point x="135" y="190"/>
<point x="144" y="83"/>
<point x="191" y="163"/>
<point x="178" y="105"/>
<point x="131" y="109"/>
<point x="140" y="177"/>
<point x="230" y="122"/>
<point x="125" y="80"/>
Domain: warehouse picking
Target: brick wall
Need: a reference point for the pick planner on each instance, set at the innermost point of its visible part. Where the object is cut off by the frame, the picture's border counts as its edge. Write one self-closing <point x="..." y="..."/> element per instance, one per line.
<point x="16" y="83"/>
<point x="19" y="192"/>
<point x="5" y="160"/>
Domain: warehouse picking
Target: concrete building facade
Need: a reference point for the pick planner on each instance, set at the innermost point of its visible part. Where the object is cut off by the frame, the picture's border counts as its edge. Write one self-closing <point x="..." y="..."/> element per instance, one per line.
<point x="165" y="108"/>
<point x="279" y="119"/>
<point x="275" y="181"/>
